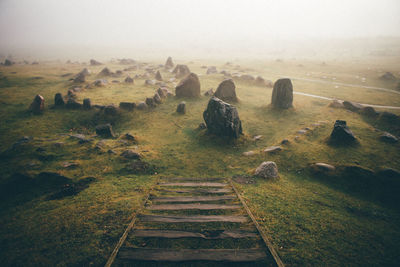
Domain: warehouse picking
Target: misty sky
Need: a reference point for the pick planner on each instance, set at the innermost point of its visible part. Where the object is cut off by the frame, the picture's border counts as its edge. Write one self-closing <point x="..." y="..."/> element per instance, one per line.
<point x="42" y="23"/>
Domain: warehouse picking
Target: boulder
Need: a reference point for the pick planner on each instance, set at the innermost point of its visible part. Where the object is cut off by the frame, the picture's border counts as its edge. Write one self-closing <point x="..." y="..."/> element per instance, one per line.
<point x="267" y="170"/>
<point x="226" y="91"/>
<point x="169" y="64"/>
<point x="73" y="104"/>
<point x="181" y="108"/>
<point x="181" y="71"/>
<point x="150" y="102"/>
<point x="105" y="72"/>
<point x="59" y="100"/>
<point x="352" y="106"/>
<point x="369" y="112"/>
<point x="80" y="78"/>
<point x="188" y="87"/>
<point x="341" y="134"/>
<point x="141" y="106"/>
<point x="390" y="118"/>
<point x="85" y="72"/>
<point x="105" y="130"/>
<point x="129" y="137"/>
<point x="130" y="154"/>
<point x="247" y="77"/>
<point x="336" y="104"/>
<point x="388" y="76"/>
<point x="157" y="98"/>
<point x="158" y="76"/>
<point x="128" y="80"/>
<point x="209" y="92"/>
<point x="127" y="105"/>
<point x="149" y="82"/>
<point x="100" y="82"/>
<point x="87" y="104"/>
<point x="388" y="138"/>
<point x="222" y="118"/>
<point x="212" y="70"/>
<point x="37" y="105"/>
<point x="162" y="93"/>
<point x="94" y="62"/>
<point x="111" y="110"/>
<point x="282" y="94"/>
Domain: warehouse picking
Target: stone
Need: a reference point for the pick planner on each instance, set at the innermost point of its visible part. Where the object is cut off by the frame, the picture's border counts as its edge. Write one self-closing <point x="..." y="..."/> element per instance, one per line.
<point x="85" y="72"/>
<point x="73" y="104"/>
<point x="128" y="79"/>
<point x="80" y="78"/>
<point x="87" y="104"/>
<point x="111" y="110"/>
<point x="127" y="105"/>
<point x="369" y="112"/>
<point x="247" y="77"/>
<point x="169" y="64"/>
<point x="118" y="73"/>
<point x="94" y="62"/>
<point x="105" y="130"/>
<point x="212" y="70"/>
<point x="181" y="71"/>
<point x="352" y="106"/>
<point x="162" y="93"/>
<point x="202" y="126"/>
<point x="130" y="154"/>
<point x="222" y="118"/>
<point x="388" y="138"/>
<point x="390" y="118"/>
<point x="389" y="172"/>
<point x="149" y="82"/>
<point x="105" y="72"/>
<point x="59" y="100"/>
<point x="322" y="168"/>
<point x="388" y="76"/>
<point x="188" y="87"/>
<point x="209" y="92"/>
<point x="267" y="170"/>
<point x="8" y="62"/>
<point x="150" y="102"/>
<point x="71" y="93"/>
<point x="157" y="98"/>
<point x="141" y="105"/>
<point x="285" y="142"/>
<point x="336" y="104"/>
<point x="249" y="153"/>
<point x="257" y="137"/>
<point x="341" y="134"/>
<point x="282" y="94"/>
<point x="260" y="81"/>
<point x="100" y="82"/>
<point x="129" y="137"/>
<point x="272" y="149"/>
<point x="79" y="137"/>
<point x="37" y="105"/>
<point x="158" y="76"/>
<point x="226" y="91"/>
<point x="181" y="108"/>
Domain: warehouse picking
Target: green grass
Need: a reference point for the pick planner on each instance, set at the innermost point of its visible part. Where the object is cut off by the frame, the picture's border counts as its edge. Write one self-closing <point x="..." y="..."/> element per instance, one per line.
<point x="311" y="221"/>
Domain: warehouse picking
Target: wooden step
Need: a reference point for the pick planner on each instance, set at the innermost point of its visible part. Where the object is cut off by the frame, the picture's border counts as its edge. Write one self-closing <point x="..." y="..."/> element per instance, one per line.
<point x="193" y="198"/>
<point x="205" y="184"/>
<point x="229" y="255"/>
<point x="196" y="218"/>
<point x="195" y="206"/>
<point x="197" y="191"/>
<point x="222" y="234"/>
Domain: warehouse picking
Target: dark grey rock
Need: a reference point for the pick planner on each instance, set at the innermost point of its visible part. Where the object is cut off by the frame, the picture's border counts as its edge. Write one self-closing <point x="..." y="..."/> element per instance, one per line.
<point x="188" y="87"/>
<point x="226" y="91"/>
<point x="73" y="104"/>
<point x="128" y="80"/>
<point x="141" y="106"/>
<point x="150" y="102"/>
<point x="127" y="105"/>
<point x="87" y="104"/>
<point x="181" y="108"/>
<point x="37" y="106"/>
<point x="111" y="110"/>
<point x="282" y="94"/>
<point x="105" y="130"/>
<point x="341" y="134"/>
<point x="388" y="138"/>
<point x="59" y="100"/>
<point x="157" y="98"/>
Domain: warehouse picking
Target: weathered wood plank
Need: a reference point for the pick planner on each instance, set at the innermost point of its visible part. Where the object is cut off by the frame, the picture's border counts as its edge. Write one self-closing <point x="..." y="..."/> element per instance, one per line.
<point x="195" y="206"/>
<point x="230" y="255"/>
<point x="196" y="218"/>
<point x="206" y="184"/>
<point x="223" y="234"/>
<point x="192" y="198"/>
<point x="197" y="190"/>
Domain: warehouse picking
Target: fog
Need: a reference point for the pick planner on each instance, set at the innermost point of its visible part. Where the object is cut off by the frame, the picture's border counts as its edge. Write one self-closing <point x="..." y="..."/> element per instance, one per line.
<point x="77" y="29"/>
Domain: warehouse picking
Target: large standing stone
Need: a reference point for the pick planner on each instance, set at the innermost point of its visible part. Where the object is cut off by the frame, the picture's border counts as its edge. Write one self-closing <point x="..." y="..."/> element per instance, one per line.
<point x="267" y="170"/>
<point x="80" y="78"/>
<point x="222" y="118"/>
<point x="282" y="94"/>
<point x="341" y="134"/>
<point x="94" y="62"/>
<point x="181" y="71"/>
<point x="158" y="76"/>
<point x="226" y="91"/>
<point x="37" y="105"/>
<point x="169" y="64"/>
<point x="59" y="100"/>
<point x="105" y="130"/>
<point x="188" y="87"/>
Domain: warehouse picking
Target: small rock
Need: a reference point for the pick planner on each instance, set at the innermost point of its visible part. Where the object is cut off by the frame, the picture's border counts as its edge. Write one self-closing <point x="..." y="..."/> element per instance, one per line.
<point x="202" y="126"/>
<point x="70" y="165"/>
<point x="212" y="70"/>
<point x="285" y="142"/>
<point x="181" y="108"/>
<point x="336" y="104"/>
<point x="249" y="153"/>
<point x="73" y="104"/>
<point x="162" y="93"/>
<point x="111" y="110"/>
<point x="130" y="154"/>
<point x="141" y="106"/>
<point x="267" y="170"/>
<point x="129" y="137"/>
<point x="322" y="167"/>
<point x="272" y="149"/>
<point x="149" y="82"/>
<point x="158" y="76"/>
<point x="128" y="80"/>
<point x="105" y="130"/>
<point x="302" y="131"/>
<point x="127" y="105"/>
<point x="388" y="138"/>
<point x="257" y="137"/>
<point x="209" y="92"/>
<point x="369" y="112"/>
<point x="157" y="98"/>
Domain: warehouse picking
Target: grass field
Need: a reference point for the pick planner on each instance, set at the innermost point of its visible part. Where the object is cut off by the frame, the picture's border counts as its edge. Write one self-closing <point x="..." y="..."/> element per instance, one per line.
<point x="311" y="220"/>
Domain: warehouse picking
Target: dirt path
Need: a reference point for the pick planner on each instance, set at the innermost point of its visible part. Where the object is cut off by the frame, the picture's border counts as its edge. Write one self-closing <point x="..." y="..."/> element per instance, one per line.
<point x="193" y="222"/>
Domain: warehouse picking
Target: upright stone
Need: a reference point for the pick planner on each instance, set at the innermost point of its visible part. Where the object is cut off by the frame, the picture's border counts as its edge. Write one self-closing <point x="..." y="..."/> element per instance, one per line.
<point x="105" y="130"/>
<point x="226" y="91"/>
<point x="169" y="64"/>
<point x="222" y="118"/>
<point x="181" y="108"/>
<point x="341" y="134"/>
<point x="181" y="71"/>
<point x="158" y="76"/>
<point x="128" y="79"/>
<point x="188" y="87"/>
<point x="59" y="100"/>
<point x="282" y="94"/>
<point x="87" y="104"/>
<point x="37" y="105"/>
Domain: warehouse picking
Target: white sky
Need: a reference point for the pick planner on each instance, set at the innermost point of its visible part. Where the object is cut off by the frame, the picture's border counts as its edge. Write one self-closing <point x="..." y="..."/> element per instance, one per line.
<point x="208" y="23"/>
